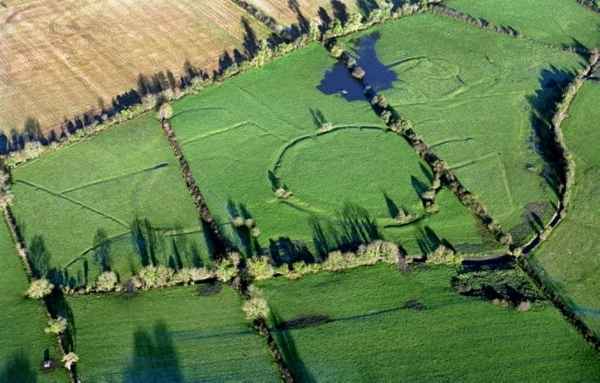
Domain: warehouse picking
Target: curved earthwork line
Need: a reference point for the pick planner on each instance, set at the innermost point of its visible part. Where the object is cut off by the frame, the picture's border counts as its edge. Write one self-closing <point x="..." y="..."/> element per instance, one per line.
<point x="225" y="130"/>
<point x="450" y="140"/>
<point x="73" y="201"/>
<point x="114" y="178"/>
<point x="337" y="127"/>
<point x="192" y="110"/>
<point x="169" y="232"/>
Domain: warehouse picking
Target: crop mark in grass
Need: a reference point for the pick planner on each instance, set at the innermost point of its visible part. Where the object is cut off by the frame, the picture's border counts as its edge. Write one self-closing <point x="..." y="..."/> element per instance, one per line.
<point x="298" y="205"/>
<point x="226" y="130"/>
<point x="502" y="171"/>
<point x="336" y="127"/>
<point x="449" y="141"/>
<point x="467" y="163"/>
<point x="115" y="178"/>
<point x="73" y="201"/>
<point x="167" y="232"/>
<point x="193" y="110"/>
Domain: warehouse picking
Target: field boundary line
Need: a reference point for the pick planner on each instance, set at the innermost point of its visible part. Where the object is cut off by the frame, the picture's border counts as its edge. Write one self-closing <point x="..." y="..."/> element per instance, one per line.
<point x="402" y="127"/>
<point x="486" y="25"/>
<point x="22" y="251"/>
<point x="157" y="166"/>
<point x="221" y="245"/>
<point x="72" y="200"/>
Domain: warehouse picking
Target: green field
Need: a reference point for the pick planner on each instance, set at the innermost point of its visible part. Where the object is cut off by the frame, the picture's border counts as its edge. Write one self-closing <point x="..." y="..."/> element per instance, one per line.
<point x="551" y="21"/>
<point x="104" y="182"/>
<point x="570" y="256"/>
<point x="172" y="335"/>
<point x="22" y="338"/>
<point x="370" y="337"/>
<point x="468" y="93"/>
<point x="268" y="120"/>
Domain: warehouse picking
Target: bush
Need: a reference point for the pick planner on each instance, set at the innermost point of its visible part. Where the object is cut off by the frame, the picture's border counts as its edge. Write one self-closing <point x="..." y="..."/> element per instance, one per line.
<point x="201" y="274"/>
<point x="56" y="326"/>
<point x="444" y="256"/>
<point x="183" y="276"/>
<point x="39" y="288"/>
<point x="256" y="307"/>
<point x="227" y="270"/>
<point x="155" y="276"/>
<point x="260" y="268"/>
<point x="69" y="360"/>
<point x="107" y="281"/>
<point x="335" y="261"/>
<point x="376" y="251"/>
<point x="165" y="112"/>
<point x="303" y="268"/>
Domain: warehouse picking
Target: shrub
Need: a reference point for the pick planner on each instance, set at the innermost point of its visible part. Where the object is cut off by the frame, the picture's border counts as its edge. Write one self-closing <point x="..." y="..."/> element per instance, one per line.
<point x="56" y="326"/>
<point x="39" y="288"/>
<point x="107" y="281"/>
<point x="387" y="252"/>
<point x="155" y="276"/>
<point x="165" y="112"/>
<point x="444" y="256"/>
<point x="303" y="268"/>
<point x="249" y="223"/>
<point x="260" y="268"/>
<point x="256" y="307"/>
<point x="183" y="276"/>
<point x="255" y="232"/>
<point x="226" y="270"/>
<point x="335" y="261"/>
<point x="69" y="360"/>
<point x="237" y="222"/>
<point x="201" y="274"/>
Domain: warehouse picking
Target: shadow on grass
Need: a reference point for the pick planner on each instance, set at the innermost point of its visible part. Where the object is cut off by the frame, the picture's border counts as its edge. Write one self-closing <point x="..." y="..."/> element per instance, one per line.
<point x="287" y="345"/>
<point x="544" y="104"/>
<point x="352" y="227"/>
<point x="154" y="358"/>
<point x="18" y="368"/>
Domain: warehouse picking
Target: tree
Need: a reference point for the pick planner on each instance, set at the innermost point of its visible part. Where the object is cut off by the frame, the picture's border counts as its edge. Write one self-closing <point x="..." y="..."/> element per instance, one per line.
<point x="56" y="326"/>
<point x="39" y="289"/>
<point x="69" y="360"/>
<point x="165" y="112"/>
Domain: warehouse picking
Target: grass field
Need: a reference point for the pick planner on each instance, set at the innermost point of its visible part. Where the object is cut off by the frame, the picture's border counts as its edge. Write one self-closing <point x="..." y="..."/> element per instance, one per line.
<point x="570" y="256"/>
<point x="470" y="94"/>
<point x="22" y="338"/>
<point x="171" y="335"/>
<point x="104" y="182"/>
<point x="370" y="337"/>
<point x="59" y="58"/>
<point x="268" y="120"/>
<point x="551" y="21"/>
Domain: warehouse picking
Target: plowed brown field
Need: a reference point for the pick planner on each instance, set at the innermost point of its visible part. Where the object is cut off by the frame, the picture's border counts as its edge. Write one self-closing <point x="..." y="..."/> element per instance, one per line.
<point x="60" y="58"/>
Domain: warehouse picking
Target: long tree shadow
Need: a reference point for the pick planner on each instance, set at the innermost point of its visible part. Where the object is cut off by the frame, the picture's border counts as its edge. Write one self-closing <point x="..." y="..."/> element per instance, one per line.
<point x="287" y="251"/>
<point x="352" y="227"/>
<point x="17" y="368"/>
<point x="154" y="358"/>
<point x="288" y="348"/>
<point x="544" y="103"/>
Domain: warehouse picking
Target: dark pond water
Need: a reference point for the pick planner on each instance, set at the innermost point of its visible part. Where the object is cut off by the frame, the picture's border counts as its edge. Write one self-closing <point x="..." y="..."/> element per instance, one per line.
<point x="338" y="80"/>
